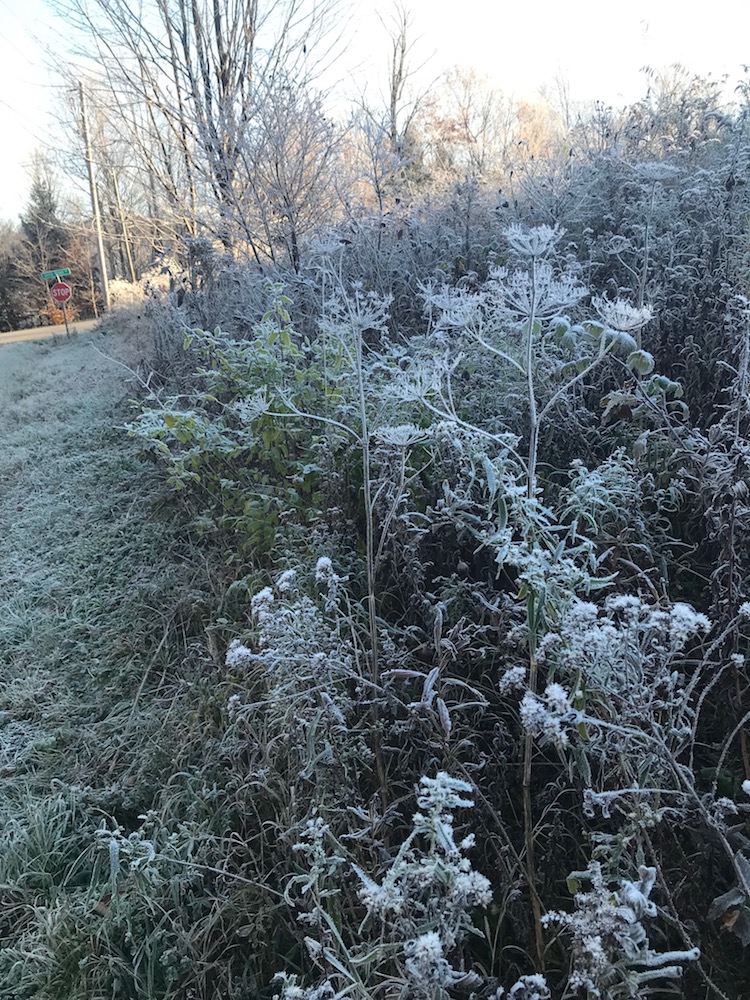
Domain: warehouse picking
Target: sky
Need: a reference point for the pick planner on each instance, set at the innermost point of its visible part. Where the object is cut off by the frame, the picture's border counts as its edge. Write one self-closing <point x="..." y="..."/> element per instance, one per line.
<point x="598" y="49"/>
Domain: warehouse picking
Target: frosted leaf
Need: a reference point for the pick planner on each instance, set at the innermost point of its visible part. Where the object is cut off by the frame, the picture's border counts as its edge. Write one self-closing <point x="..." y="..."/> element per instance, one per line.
<point x="443" y="792"/>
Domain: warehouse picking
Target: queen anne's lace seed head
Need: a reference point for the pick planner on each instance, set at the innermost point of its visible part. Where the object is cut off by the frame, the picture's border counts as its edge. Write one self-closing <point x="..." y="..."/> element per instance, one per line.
<point x="621" y="315"/>
<point x="535" y="242"/>
<point x="402" y="435"/>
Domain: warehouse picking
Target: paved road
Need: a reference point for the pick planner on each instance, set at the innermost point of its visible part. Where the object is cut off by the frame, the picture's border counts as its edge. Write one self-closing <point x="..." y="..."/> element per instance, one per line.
<point x="42" y="332"/>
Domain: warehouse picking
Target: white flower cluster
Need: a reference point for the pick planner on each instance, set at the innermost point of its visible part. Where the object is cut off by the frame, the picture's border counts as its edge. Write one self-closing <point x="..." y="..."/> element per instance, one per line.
<point x="512" y="680"/>
<point x="684" y="623"/>
<point x="290" y="990"/>
<point x="620" y="644"/>
<point x="609" y="942"/>
<point x="239" y="656"/>
<point x="326" y="577"/>
<point x="545" y="718"/>
<point x="426" y="896"/>
<point x="530" y="988"/>
<point x="261" y="604"/>
<point x="426" y="965"/>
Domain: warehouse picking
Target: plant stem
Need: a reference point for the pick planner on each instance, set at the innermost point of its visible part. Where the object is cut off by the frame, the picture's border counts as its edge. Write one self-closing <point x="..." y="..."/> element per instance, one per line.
<point x="370" y="557"/>
<point x="528" y="749"/>
<point x="533" y="416"/>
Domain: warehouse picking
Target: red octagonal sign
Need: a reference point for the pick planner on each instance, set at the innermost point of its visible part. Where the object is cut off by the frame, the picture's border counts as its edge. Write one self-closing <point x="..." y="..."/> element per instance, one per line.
<point x="60" y="292"/>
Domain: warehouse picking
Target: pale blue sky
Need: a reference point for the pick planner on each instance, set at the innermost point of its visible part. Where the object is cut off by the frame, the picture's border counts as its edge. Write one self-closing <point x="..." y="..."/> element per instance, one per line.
<point x="599" y="48"/>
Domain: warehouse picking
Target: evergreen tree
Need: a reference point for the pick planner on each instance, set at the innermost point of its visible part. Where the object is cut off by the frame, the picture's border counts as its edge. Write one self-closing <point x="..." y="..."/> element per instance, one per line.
<point x="45" y="236"/>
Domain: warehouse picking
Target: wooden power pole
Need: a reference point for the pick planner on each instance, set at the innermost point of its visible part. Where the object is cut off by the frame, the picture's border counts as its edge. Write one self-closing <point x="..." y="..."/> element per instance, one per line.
<point x="94" y="199"/>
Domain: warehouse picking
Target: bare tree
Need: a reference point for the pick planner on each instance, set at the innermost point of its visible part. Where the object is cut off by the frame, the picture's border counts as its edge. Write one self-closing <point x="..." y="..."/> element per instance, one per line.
<point x="470" y="125"/>
<point x="184" y="84"/>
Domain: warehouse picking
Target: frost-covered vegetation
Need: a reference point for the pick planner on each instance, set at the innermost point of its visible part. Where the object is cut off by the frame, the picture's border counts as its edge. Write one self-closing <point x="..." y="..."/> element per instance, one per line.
<point x="402" y="650"/>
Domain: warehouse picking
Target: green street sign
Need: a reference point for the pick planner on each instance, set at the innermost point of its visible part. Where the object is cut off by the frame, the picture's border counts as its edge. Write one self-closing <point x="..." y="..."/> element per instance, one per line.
<point x="60" y="273"/>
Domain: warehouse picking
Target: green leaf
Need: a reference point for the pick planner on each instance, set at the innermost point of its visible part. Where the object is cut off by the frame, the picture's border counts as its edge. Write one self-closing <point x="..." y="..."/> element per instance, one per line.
<point x="592" y="330"/>
<point x="640" y="362"/>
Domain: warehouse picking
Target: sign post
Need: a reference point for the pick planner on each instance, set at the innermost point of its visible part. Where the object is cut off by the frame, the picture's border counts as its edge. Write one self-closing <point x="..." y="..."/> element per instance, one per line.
<point x="60" y="293"/>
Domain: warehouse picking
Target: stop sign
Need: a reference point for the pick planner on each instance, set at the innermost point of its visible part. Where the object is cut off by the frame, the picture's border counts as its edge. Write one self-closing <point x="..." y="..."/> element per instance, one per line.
<point x="60" y="292"/>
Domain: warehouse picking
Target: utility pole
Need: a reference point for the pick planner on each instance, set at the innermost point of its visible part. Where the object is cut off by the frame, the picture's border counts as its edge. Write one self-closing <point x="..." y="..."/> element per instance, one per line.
<point x="94" y="199"/>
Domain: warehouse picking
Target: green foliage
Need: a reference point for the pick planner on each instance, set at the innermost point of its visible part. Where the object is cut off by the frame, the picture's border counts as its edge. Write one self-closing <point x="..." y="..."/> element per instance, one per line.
<point x="246" y="468"/>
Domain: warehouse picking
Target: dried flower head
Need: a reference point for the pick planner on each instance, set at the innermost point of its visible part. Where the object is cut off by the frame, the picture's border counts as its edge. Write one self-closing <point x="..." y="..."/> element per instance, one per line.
<point x="402" y="435"/>
<point x="621" y="315"/>
<point x="534" y="242"/>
